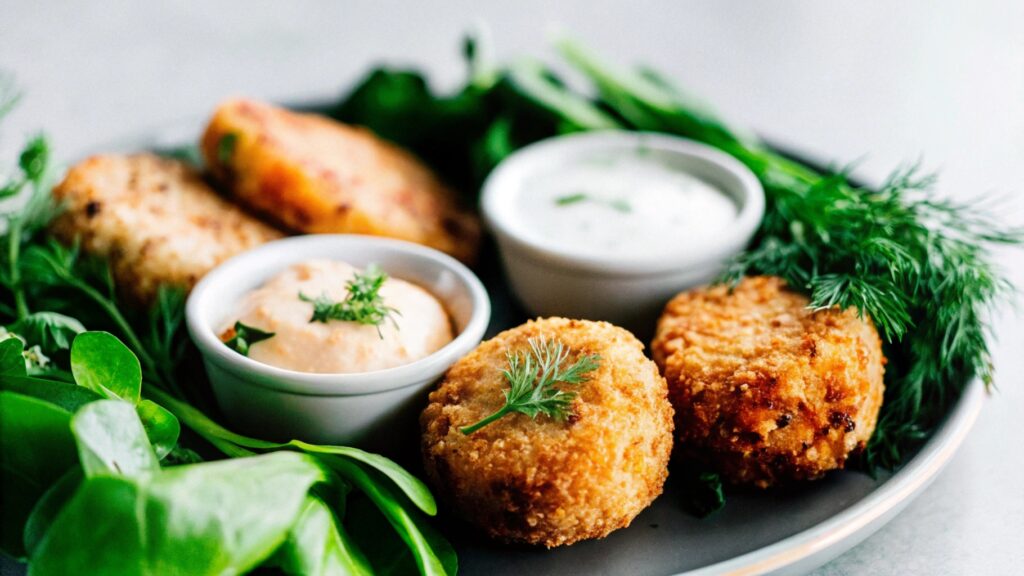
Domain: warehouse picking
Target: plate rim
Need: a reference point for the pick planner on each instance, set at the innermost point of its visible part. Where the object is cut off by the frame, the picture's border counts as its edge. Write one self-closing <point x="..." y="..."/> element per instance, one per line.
<point x="831" y="538"/>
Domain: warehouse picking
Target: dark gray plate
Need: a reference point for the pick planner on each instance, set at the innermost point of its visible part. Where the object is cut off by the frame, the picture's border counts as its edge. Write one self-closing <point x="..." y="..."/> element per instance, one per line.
<point x="774" y="532"/>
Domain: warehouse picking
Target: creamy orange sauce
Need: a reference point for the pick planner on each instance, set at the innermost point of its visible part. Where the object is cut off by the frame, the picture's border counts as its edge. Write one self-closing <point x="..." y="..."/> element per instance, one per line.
<point x="420" y="328"/>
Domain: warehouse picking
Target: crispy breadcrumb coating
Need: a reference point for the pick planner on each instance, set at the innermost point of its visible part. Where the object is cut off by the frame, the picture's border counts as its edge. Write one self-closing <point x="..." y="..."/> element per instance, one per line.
<point x="314" y="175"/>
<point x="544" y="481"/>
<point x="766" y="390"/>
<point x="154" y="219"/>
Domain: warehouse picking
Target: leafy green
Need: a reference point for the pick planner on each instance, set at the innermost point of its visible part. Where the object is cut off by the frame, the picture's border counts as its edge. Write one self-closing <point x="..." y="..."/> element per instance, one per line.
<point x="65" y="395"/>
<point x="210" y="518"/>
<point x="384" y="548"/>
<point x="48" y="507"/>
<point x="703" y="493"/>
<point x="318" y="545"/>
<point x="533" y="379"/>
<point x="101" y="363"/>
<point x="162" y="427"/>
<point x="12" y="359"/>
<point x="36" y="449"/>
<point x="111" y="440"/>
<point x="245" y="336"/>
<point x="51" y="331"/>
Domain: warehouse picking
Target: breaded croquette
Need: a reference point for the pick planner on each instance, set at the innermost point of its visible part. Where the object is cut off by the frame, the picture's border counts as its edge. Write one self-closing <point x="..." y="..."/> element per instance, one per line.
<point x="765" y="389"/>
<point x="154" y="219"/>
<point x="314" y="175"/>
<point x="544" y="480"/>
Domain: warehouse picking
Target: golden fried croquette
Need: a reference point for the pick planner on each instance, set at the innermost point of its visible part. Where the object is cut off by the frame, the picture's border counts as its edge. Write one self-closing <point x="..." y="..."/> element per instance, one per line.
<point x="765" y="389"/>
<point x="154" y="219"/>
<point x="315" y="175"/>
<point x="546" y="481"/>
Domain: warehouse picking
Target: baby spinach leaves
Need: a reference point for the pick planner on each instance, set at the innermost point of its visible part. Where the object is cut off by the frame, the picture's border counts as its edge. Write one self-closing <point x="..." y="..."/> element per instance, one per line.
<point x="210" y="518"/>
<point x="111" y="439"/>
<point x="101" y="363"/>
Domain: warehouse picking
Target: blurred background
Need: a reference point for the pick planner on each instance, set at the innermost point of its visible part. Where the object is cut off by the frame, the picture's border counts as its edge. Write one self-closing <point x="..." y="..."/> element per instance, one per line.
<point x="940" y="81"/>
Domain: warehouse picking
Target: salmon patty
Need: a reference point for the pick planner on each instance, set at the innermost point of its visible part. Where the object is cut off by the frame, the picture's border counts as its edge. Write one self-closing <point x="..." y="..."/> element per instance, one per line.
<point x="314" y="175"/>
<point x="544" y="480"/>
<point x="154" y="219"/>
<point x="765" y="389"/>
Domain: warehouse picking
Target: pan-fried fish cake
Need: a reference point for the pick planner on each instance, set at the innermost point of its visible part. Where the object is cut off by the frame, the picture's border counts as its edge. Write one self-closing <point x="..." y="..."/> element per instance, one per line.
<point x="154" y="219"/>
<point x="315" y="175"/>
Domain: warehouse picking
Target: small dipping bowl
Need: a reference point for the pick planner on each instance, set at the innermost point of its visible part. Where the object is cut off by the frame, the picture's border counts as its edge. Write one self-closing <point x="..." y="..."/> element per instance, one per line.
<point x="373" y="410"/>
<point x="628" y="289"/>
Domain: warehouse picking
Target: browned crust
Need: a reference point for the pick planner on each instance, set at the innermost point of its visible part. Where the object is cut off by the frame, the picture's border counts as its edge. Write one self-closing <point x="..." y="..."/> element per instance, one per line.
<point x="314" y="175"/>
<point x="154" y="219"/>
<point x="543" y="481"/>
<point x="766" y="390"/>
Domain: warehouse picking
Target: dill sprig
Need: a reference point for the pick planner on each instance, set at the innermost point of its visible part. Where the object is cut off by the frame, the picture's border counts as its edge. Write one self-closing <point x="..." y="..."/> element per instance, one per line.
<point x="917" y="265"/>
<point x="533" y="378"/>
<point x="363" y="303"/>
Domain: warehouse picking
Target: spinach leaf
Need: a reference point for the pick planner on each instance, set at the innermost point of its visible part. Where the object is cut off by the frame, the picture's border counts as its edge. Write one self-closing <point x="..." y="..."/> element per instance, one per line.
<point x="61" y="394"/>
<point x="410" y="485"/>
<point x="101" y="363"/>
<point x="49" y="330"/>
<point x="197" y="519"/>
<point x="111" y="440"/>
<point x="48" y="507"/>
<point x="161" y="426"/>
<point x="12" y="362"/>
<point x="318" y="545"/>
<point x="36" y="448"/>
<point x="430" y="551"/>
<point x="383" y="546"/>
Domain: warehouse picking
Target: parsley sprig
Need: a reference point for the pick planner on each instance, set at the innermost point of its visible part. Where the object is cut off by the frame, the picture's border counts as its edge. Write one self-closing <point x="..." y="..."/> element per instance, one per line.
<point x="363" y="304"/>
<point x="533" y="379"/>
<point x="244" y="336"/>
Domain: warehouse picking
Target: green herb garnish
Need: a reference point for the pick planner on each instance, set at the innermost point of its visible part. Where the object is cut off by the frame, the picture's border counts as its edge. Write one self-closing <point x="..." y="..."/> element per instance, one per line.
<point x="244" y="337"/>
<point x="363" y="304"/>
<point x="226" y="147"/>
<point x="617" y="204"/>
<point x="533" y="378"/>
<point x="569" y="199"/>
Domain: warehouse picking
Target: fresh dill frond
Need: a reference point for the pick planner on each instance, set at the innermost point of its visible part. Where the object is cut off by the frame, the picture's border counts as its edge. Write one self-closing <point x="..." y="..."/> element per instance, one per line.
<point x="533" y="378"/>
<point x="916" y="265"/>
<point x="244" y="336"/>
<point x="617" y="204"/>
<point x="363" y="303"/>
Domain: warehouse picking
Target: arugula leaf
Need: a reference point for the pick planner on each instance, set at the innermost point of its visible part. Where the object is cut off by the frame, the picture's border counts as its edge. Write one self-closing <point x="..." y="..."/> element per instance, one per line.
<point x="101" y="363"/>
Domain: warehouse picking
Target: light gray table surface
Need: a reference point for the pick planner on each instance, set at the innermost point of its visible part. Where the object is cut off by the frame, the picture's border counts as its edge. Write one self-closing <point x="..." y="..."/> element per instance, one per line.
<point x="940" y="80"/>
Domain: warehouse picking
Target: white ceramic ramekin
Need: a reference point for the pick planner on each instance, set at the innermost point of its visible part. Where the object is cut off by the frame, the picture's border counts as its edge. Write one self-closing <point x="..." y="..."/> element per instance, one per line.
<point x="628" y="291"/>
<point x="374" y="410"/>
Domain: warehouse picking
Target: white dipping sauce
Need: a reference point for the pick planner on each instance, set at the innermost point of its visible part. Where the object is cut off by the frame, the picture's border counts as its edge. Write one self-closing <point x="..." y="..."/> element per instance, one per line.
<point x="622" y="205"/>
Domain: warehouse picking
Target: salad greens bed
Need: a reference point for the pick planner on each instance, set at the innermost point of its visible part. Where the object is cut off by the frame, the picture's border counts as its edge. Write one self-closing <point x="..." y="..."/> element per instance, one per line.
<point x="102" y="404"/>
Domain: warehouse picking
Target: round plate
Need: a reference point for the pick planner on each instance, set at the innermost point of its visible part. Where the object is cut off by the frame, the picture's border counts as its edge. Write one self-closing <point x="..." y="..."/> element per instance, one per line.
<point x="758" y="532"/>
